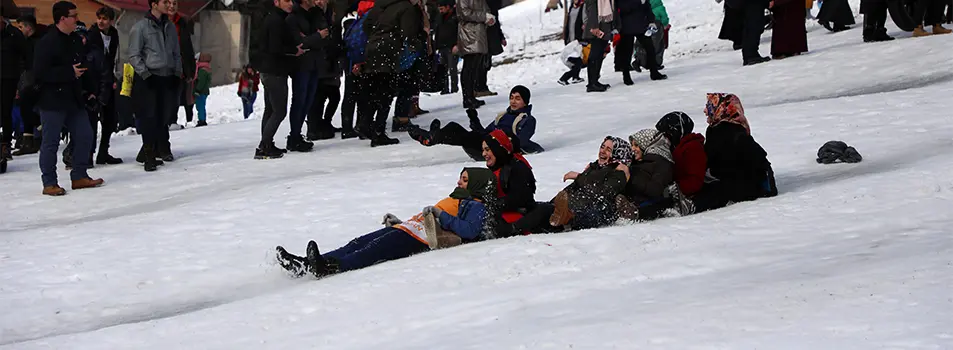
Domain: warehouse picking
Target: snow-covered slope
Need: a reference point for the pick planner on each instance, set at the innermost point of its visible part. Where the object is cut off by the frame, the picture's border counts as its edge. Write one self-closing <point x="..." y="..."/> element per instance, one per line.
<point x="847" y="257"/>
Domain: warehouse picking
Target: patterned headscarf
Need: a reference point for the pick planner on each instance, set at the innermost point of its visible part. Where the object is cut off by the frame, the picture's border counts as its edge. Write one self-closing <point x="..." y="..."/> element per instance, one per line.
<point x="723" y="107"/>
<point x="621" y="150"/>
<point x="675" y="125"/>
<point x="652" y="141"/>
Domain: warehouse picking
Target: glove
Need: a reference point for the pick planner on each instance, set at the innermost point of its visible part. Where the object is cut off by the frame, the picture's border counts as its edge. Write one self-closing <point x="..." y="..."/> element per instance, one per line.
<point x="391" y="220"/>
<point x="475" y="124"/>
<point x="432" y="210"/>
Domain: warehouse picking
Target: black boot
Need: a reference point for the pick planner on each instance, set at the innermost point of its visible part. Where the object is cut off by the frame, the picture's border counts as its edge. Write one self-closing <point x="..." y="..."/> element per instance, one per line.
<point x="656" y="75"/>
<point x="150" y="163"/>
<point x="143" y="156"/>
<point x="627" y="78"/>
<point x="296" y="143"/>
<point x="295" y="265"/>
<point x="315" y="262"/>
<point x="596" y="88"/>
<point x="381" y="139"/>
<point x="30" y="146"/>
<point x="881" y="34"/>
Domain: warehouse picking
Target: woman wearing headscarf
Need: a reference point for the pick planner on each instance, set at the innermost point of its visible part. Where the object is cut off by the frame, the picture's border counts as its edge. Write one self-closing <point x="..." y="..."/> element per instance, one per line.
<point x="589" y="202"/>
<point x="466" y="215"/>
<point x="734" y="157"/>
<point x="651" y="173"/>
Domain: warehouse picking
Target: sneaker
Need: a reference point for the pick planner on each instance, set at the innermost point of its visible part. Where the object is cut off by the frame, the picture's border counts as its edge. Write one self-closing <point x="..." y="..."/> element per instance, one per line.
<point x="297" y="144"/>
<point x="919" y="32"/>
<point x="275" y="147"/>
<point x="268" y="153"/>
<point x="576" y="80"/>
<point x="939" y="29"/>
<point x="563" y="82"/>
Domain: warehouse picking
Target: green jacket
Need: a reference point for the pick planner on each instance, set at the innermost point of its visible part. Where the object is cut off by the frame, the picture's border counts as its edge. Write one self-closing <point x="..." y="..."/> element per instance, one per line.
<point x="658" y="8"/>
<point x="203" y="81"/>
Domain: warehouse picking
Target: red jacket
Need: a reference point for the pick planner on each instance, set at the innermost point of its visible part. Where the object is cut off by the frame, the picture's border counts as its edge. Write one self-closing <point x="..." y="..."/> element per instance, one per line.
<point x="690" y="163"/>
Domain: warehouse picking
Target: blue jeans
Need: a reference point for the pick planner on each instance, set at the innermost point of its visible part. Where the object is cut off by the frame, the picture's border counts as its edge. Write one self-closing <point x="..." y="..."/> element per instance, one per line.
<point x="200" y="106"/>
<point x="81" y="136"/>
<point x="382" y="245"/>
<point x="304" y="85"/>
<point x="248" y="103"/>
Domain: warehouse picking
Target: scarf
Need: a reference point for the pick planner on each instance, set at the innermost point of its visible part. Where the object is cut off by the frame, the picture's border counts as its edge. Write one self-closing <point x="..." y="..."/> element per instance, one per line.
<point x="202" y="65"/>
<point x="652" y="141"/>
<point x="606" y="11"/>
<point x="621" y="150"/>
<point x="725" y="108"/>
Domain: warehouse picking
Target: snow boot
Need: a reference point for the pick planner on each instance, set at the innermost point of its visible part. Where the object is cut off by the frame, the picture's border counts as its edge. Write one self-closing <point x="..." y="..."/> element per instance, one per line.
<point x="296" y="143"/>
<point x="562" y="215"/>
<point x="437" y="238"/>
<point x="105" y="158"/>
<point x="29" y="146"/>
<point x="201" y="123"/>
<point x="596" y="88"/>
<point x="627" y="78"/>
<point x="919" y="32"/>
<point x="656" y="75"/>
<point x="626" y="209"/>
<point x="435" y="131"/>
<point x="87" y="183"/>
<point x="143" y="156"/>
<point x="149" y="161"/>
<point x="938" y="29"/>
<point x="315" y="263"/>
<point x="381" y="139"/>
<point x="295" y="265"/>
<point x="684" y="205"/>
<point x="54" y="191"/>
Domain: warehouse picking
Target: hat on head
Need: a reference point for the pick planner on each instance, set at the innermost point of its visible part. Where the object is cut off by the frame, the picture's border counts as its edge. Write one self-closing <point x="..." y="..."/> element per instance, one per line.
<point x="522" y="91"/>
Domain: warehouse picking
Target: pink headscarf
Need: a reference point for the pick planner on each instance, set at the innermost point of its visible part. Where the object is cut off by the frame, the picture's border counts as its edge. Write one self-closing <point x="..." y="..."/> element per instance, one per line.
<point x="722" y="107"/>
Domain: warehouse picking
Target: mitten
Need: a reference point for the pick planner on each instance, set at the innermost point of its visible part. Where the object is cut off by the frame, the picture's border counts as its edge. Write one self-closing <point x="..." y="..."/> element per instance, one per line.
<point x="432" y="210"/>
<point x="391" y="220"/>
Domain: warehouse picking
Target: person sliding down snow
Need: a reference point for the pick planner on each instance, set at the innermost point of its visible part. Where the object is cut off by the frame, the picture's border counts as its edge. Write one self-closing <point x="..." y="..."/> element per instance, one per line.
<point x="589" y="202"/>
<point x="467" y="215"/>
<point x="651" y="170"/>
<point x="688" y="152"/>
<point x="517" y="120"/>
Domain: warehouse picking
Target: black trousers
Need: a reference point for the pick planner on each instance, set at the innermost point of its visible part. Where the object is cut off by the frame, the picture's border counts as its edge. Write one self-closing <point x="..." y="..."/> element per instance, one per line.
<point x="374" y="105"/>
<point x="574" y="70"/>
<point x="155" y="100"/>
<point x="625" y="49"/>
<point x="596" y="56"/>
<point x="276" y="107"/>
<point x="454" y="134"/>
<point x="929" y="12"/>
<point x="326" y="100"/>
<point x="108" y="118"/>
<point x="469" y="78"/>
<point x="407" y="88"/>
<point x="754" y="27"/>
<point x="351" y="95"/>
<point x="8" y="93"/>
<point x="31" y="119"/>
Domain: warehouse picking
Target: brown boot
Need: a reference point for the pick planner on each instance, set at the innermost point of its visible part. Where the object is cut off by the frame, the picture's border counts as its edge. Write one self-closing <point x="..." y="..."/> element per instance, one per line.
<point x="920" y="32"/>
<point x="626" y="209"/>
<point x="938" y="29"/>
<point x="562" y="215"/>
<point x="54" y="190"/>
<point x="87" y="183"/>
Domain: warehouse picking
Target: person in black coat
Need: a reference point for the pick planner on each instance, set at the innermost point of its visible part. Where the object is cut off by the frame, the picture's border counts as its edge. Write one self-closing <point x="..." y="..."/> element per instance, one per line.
<point x="652" y="171"/>
<point x="636" y="22"/>
<point x="276" y="61"/>
<point x="27" y="88"/>
<point x="14" y="55"/>
<point x="183" y="27"/>
<point x="754" y="20"/>
<point x="329" y="77"/>
<point x="304" y="26"/>
<point x="104" y="36"/>
<point x="60" y="64"/>
<point x="446" y="39"/>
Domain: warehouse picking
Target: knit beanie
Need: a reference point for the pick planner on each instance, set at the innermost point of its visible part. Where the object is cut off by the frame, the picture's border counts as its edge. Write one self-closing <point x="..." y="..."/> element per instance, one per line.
<point x="522" y="91"/>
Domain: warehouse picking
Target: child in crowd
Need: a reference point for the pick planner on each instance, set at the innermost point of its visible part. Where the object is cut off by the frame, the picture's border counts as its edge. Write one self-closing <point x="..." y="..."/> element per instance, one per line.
<point x="248" y="81"/>
<point x="203" y="81"/>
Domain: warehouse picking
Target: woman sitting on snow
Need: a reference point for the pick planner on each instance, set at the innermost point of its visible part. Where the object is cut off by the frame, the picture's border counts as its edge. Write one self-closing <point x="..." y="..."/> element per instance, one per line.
<point x="651" y="173"/>
<point x="467" y="215"/>
<point x="589" y="202"/>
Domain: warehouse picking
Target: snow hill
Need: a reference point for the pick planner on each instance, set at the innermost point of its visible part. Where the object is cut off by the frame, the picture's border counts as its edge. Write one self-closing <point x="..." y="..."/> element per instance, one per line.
<point x="847" y="257"/>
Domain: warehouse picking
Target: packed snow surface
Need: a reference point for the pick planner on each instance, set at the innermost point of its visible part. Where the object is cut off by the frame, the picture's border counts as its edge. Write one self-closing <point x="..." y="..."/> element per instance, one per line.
<point x="848" y="256"/>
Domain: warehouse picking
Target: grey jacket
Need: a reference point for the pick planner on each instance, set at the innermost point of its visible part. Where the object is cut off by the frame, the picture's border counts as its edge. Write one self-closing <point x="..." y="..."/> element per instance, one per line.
<point x="471" y="36"/>
<point x="154" y="48"/>
<point x="590" y="20"/>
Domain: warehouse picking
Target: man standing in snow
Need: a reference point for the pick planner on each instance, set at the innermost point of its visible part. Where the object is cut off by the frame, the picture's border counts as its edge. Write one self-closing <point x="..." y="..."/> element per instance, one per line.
<point x="753" y="28"/>
<point x="277" y="52"/>
<point x="304" y="81"/>
<point x="183" y="28"/>
<point x="59" y="63"/>
<point x="154" y="55"/>
<point x="104" y="36"/>
<point x="473" y="16"/>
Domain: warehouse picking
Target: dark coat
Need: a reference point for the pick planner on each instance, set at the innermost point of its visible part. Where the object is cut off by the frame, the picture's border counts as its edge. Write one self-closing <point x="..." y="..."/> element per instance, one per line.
<point x="277" y="46"/>
<point x="591" y="21"/>
<point x="55" y="56"/>
<point x="574" y="24"/>
<point x="333" y="52"/>
<point x="446" y="30"/>
<point x="517" y="186"/>
<point x="108" y="63"/>
<point x="649" y="178"/>
<point x="15" y="54"/>
<point x="494" y="34"/>
<point x="389" y="25"/>
<point x="634" y="16"/>
<point x="592" y="195"/>
<point x="739" y="162"/>
<point x="183" y="28"/>
<point x="691" y="163"/>
<point x="304" y="25"/>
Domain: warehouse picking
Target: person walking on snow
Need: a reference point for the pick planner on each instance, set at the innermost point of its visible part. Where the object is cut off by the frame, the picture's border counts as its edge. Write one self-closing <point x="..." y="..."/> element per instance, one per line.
<point x="467" y="215"/>
<point x="203" y="81"/>
<point x="635" y="22"/>
<point x="59" y="66"/>
<point x="248" y="81"/>
<point x="474" y="17"/>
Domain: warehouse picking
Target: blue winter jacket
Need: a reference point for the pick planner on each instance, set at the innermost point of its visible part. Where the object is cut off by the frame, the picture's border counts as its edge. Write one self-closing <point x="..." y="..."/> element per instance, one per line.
<point x="524" y="130"/>
<point x="468" y="224"/>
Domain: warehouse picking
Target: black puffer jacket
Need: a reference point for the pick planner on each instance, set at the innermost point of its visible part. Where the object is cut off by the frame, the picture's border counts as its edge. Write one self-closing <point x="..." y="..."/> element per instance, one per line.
<point x="739" y="162"/>
<point x="14" y="52"/>
<point x="388" y="25"/>
<point x="650" y="177"/>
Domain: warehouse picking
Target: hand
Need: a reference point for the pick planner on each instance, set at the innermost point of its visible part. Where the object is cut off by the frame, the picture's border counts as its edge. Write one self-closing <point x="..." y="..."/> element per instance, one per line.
<point x="324" y="33"/>
<point x="78" y="71"/>
<point x="454" y="50"/>
<point x="598" y="33"/>
<point x="504" y="42"/>
<point x="432" y="210"/>
<point x="625" y="169"/>
<point x="490" y="19"/>
<point x="300" y="50"/>
<point x="572" y="175"/>
<point x="391" y="220"/>
<point x="115" y="86"/>
<point x="356" y="70"/>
